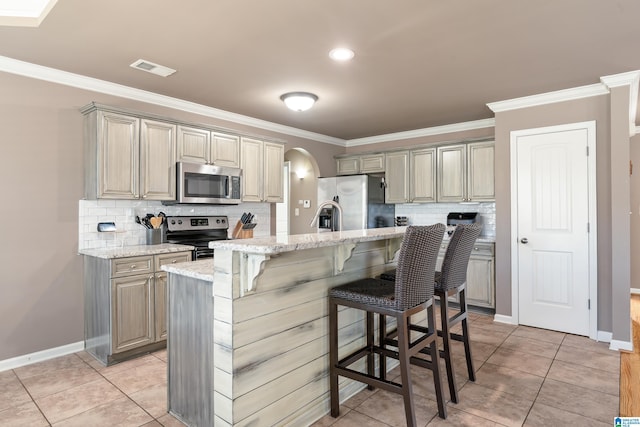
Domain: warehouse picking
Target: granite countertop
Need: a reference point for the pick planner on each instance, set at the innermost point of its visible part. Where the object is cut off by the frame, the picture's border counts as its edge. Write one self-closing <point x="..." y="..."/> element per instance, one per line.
<point x="201" y="269"/>
<point x="278" y="244"/>
<point x="138" y="250"/>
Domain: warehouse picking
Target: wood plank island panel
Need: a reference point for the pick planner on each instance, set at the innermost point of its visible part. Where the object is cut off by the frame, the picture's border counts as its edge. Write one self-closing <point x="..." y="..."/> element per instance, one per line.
<point x="270" y="326"/>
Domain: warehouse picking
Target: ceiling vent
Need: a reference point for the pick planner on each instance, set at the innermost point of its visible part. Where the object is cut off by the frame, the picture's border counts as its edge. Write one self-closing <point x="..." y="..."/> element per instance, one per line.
<point x="150" y="67"/>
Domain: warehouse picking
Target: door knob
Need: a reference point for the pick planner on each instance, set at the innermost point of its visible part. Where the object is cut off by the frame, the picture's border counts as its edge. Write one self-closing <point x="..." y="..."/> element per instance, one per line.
<point x="524" y="240"/>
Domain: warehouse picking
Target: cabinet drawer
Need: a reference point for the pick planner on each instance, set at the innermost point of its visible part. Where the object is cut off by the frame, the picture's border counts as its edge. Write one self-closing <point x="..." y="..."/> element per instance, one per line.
<point x="482" y="249"/>
<point x="133" y="265"/>
<point x="172" y="258"/>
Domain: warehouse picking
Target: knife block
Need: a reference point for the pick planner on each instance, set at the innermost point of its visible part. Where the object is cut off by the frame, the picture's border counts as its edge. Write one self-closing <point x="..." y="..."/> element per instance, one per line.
<point x="239" y="233"/>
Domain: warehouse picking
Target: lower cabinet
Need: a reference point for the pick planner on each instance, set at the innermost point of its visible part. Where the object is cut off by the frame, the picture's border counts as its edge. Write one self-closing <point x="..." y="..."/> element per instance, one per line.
<point x="480" y="274"/>
<point x="125" y="304"/>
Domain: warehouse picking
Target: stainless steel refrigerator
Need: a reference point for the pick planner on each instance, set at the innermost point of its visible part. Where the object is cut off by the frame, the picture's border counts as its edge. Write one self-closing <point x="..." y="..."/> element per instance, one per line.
<point x="361" y="198"/>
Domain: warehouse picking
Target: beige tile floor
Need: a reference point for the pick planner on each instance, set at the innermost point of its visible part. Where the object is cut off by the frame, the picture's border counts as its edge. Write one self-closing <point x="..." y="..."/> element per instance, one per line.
<point x="525" y="376"/>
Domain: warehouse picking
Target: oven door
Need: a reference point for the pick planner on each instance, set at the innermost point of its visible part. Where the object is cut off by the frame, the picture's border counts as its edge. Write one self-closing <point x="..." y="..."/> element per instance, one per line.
<point x="210" y="184"/>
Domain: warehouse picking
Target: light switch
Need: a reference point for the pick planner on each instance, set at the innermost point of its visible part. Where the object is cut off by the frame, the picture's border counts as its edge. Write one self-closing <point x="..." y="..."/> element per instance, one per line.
<point x="297" y="212"/>
<point x="307" y="204"/>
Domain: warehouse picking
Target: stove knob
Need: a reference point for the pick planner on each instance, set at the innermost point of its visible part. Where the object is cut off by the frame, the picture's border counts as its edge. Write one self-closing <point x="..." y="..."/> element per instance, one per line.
<point x="179" y="221"/>
<point x="217" y="221"/>
<point x="173" y="221"/>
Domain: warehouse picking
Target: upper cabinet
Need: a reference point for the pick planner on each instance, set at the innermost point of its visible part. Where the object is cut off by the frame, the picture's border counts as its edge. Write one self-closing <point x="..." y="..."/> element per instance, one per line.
<point x="129" y="158"/>
<point x="204" y="146"/>
<point x="466" y="172"/>
<point x="367" y="163"/>
<point x="262" y="165"/>
<point x="411" y="176"/>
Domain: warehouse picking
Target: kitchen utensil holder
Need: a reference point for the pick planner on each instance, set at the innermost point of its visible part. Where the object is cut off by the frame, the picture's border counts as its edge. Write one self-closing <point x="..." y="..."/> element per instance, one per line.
<point x="239" y="233"/>
<point x="155" y="236"/>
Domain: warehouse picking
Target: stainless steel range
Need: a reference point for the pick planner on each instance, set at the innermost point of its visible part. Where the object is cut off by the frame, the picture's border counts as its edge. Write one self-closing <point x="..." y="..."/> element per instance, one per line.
<point x="197" y="231"/>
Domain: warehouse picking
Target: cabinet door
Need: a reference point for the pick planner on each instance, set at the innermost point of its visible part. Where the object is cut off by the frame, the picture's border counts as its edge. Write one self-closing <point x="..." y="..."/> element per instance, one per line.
<point x="118" y="156"/>
<point x="193" y="145"/>
<point x="225" y="150"/>
<point x="452" y="173"/>
<point x="132" y="312"/>
<point x="372" y="163"/>
<point x="423" y="176"/>
<point x="273" y="172"/>
<point x="480" y="282"/>
<point x="252" y="173"/>
<point x="397" y="177"/>
<point x="157" y="160"/>
<point x="480" y="173"/>
<point x="160" y="293"/>
<point x="348" y="165"/>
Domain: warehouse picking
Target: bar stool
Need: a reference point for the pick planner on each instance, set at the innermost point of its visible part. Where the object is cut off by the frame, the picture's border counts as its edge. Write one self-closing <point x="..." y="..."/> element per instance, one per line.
<point x="411" y="293"/>
<point x="452" y="280"/>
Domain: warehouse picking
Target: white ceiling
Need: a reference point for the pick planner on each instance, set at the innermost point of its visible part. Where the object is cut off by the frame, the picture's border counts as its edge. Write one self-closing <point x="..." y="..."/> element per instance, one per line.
<point x="418" y="64"/>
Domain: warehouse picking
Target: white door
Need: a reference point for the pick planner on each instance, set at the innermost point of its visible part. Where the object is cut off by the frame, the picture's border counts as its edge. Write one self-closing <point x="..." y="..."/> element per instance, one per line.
<point x="553" y="221"/>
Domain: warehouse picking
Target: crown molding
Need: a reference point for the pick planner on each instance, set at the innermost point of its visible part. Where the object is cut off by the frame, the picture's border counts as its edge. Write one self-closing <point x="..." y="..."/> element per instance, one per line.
<point x="548" y="98"/>
<point x="631" y="79"/>
<point x="53" y="75"/>
<point x="436" y="130"/>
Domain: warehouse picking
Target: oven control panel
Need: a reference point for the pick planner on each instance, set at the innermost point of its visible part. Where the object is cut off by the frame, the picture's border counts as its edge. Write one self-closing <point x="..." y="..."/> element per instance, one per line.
<point x="194" y="223"/>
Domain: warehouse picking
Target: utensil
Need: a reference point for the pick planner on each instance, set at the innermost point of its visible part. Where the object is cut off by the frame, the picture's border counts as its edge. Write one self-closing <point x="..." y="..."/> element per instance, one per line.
<point x="155" y="221"/>
<point x="249" y="226"/>
<point x="243" y="218"/>
<point x="250" y="217"/>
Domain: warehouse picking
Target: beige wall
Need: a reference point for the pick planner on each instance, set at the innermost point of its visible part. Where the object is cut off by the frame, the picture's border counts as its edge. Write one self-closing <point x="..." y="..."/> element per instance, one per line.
<point x="41" y="299"/>
<point x="635" y="211"/>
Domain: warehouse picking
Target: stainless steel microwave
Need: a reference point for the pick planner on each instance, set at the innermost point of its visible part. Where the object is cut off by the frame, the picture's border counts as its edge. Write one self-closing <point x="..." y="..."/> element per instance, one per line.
<point x="209" y="184"/>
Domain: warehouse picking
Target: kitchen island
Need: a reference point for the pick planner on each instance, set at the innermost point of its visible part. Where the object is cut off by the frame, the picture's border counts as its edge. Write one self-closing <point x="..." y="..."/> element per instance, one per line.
<point x="248" y="343"/>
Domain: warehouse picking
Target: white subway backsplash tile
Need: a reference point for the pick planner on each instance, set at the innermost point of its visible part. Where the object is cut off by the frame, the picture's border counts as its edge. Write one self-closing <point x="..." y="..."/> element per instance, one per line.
<point x="432" y="213"/>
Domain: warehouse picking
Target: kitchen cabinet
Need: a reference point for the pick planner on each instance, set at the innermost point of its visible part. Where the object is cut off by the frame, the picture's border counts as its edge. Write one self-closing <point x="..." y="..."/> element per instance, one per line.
<point x="197" y="145"/>
<point x="411" y="176"/>
<point x="262" y="164"/>
<point x="128" y="157"/>
<point x="466" y="172"/>
<point x="480" y="274"/>
<point x="125" y="304"/>
<point x="368" y="163"/>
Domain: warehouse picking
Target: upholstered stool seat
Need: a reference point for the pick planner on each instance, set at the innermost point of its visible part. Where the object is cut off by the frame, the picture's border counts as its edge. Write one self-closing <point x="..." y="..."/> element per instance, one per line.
<point x="411" y="293"/>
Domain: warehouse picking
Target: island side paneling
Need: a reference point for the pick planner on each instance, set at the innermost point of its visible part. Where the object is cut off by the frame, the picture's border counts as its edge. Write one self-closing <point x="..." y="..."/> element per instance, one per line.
<point x="271" y="345"/>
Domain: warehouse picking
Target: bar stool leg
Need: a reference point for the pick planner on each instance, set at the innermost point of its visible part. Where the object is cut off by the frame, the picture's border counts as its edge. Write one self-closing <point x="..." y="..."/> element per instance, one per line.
<point x="444" y="320"/>
<point x="437" y="382"/>
<point x="370" y="342"/>
<point x="382" y="333"/>
<point x="333" y="358"/>
<point x="465" y="336"/>
<point x="405" y="365"/>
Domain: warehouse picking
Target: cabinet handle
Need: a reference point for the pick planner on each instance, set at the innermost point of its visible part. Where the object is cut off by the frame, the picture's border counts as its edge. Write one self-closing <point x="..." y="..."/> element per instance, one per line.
<point x="476" y="249"/>
<point x="133" y="266"/>
<point x="151" y="277"/>
<point x="173" y="261"/>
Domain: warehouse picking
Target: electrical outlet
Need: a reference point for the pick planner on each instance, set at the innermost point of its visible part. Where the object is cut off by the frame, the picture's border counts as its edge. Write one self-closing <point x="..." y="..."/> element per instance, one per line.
<point x="307" y="204"/>
<point x="300" y="202"/>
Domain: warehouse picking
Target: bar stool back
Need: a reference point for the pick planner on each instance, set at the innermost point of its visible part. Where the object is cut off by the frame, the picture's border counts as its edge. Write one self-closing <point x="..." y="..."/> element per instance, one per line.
<point x="412" y="292"/>
<point x="452" y="280"/>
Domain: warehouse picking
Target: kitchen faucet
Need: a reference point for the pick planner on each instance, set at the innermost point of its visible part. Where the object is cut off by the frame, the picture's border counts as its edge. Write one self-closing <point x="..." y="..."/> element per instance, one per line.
<point x="322" y="205"/>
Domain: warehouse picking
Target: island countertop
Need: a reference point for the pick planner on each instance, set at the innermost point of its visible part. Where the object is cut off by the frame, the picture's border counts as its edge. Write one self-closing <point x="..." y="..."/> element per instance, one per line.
<point x="294" y="242"/>
<point x="289" y="243"/>
<point x="201" y="269"/>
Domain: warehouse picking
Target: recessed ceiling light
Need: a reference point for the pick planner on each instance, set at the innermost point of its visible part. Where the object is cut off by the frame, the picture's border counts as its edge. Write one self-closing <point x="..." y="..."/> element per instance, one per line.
<point x="24" y="13"/>
<point x="150" y="67"/>
<point x="341" y="54"/>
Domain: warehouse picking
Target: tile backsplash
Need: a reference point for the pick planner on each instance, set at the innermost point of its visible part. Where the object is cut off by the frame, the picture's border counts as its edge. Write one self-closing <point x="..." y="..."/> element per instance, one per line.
<point x="431" y="213"/>
<point x="128" y="232"/>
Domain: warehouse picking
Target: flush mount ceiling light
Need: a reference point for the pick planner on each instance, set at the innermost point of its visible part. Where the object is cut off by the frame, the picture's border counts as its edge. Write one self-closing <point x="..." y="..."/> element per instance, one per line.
<point x="341" y="54"/>
<point x="299" y="101"/>
<point x="150" y="67"/>
<point x="24" y="13"/>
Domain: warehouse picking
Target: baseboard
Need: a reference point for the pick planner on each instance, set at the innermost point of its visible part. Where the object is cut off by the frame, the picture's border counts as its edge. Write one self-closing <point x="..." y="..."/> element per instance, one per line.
<point x="501" y="318"/>
<point x="604" y="336"/>
<point x="39" y="356"/>
<point x="635" y="291"/>
<point x="621" y="345"/>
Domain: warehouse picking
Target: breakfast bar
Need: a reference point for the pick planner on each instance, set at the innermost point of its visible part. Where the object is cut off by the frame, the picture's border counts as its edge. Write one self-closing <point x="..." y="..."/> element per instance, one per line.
<point x="248" y="331"/>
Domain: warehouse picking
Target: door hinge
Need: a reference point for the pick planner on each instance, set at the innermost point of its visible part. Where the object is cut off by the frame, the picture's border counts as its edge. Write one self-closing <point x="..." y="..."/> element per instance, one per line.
<point x="589" y="304"/>
<point x="587" y="150"/>
<point x="588" y="227"/>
